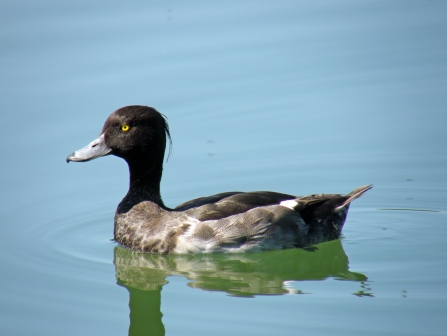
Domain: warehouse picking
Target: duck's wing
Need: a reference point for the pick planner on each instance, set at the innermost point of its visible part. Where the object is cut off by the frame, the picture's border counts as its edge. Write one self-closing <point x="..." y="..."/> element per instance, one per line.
<point x="230" y="203"/>
<point x="197" y="202"/>
<point x="311" y="208"/>
<point x="257" y="221"/>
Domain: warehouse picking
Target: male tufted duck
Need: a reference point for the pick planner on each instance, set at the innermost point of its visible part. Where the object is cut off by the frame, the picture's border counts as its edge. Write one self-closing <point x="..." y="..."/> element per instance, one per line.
<point x="226" y="222"/>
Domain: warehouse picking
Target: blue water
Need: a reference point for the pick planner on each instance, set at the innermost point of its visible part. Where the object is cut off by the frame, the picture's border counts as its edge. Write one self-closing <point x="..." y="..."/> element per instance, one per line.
<point x="297" y="97"/>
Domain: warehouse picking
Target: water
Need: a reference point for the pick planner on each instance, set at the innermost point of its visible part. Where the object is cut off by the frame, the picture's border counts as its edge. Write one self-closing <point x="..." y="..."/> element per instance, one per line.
<point x="296" y="97"/>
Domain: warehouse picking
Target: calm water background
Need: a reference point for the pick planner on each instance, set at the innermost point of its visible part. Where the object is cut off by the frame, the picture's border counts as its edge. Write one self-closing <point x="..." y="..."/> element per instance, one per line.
<point x="298" y="97"/>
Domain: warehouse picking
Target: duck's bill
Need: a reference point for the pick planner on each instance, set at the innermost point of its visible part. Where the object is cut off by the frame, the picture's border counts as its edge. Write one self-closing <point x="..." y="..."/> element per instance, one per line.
<point x="93" y="150"/>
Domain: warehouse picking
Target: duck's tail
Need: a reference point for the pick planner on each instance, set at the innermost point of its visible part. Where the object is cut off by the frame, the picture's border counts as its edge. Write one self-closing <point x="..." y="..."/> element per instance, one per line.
<point x="353" y="195"/>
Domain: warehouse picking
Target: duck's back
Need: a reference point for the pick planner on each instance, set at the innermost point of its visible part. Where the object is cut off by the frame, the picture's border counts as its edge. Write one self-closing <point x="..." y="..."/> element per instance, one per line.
<point x="230" y="203"/>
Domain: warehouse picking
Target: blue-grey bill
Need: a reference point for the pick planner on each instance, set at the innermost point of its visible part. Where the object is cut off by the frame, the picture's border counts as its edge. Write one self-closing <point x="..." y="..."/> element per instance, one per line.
<point x="93" y="150"/>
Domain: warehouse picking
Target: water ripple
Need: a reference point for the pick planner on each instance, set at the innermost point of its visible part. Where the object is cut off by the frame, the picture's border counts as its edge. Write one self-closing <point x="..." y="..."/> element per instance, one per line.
<point x="65" y="245"/>
<point x="408" y="209"/>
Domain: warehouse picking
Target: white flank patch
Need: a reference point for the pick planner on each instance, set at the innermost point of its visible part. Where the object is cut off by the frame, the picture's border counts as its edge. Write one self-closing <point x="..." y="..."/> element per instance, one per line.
<point x="185" y="242"/>
<point x="192" y="221"/>
<point x="291" y="204"/>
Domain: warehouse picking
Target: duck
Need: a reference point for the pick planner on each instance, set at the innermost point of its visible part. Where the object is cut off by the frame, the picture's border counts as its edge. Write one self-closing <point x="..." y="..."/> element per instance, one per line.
<point x="228" y="222"/>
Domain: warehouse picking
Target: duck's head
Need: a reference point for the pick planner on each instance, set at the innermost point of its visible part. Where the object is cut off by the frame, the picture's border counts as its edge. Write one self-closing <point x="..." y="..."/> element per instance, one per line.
<point x="138" y="135"/>
<point x="134" y="133"/>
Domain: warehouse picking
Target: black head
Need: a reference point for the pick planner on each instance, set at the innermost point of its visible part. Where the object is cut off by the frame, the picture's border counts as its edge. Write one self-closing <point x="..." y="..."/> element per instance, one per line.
<point x="138" y="135"/>
<point x="135" y="133"/>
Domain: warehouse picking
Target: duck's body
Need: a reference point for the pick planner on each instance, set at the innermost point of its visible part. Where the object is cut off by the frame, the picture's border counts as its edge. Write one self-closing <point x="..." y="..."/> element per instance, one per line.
<point x="226" y="222"/>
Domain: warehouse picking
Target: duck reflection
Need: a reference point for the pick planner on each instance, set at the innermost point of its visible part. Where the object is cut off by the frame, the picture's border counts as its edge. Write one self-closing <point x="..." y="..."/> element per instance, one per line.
<point x="265" y="273"/>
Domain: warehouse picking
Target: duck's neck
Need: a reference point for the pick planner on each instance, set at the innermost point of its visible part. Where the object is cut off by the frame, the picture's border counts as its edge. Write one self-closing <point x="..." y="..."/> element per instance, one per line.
<point x="144" y="185"/>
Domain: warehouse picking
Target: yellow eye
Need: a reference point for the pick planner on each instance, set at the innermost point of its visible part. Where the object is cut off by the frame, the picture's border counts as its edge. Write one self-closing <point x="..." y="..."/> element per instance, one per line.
<point x="125" y="128"/>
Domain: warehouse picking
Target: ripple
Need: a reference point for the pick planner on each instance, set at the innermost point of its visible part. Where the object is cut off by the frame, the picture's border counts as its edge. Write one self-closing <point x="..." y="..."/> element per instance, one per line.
<point x="408" y="209"/>
<point x="63" y="242"/>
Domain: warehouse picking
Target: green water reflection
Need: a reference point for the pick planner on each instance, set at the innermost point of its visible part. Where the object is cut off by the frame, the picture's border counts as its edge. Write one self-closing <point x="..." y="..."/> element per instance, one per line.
<point x="246" y="275"/>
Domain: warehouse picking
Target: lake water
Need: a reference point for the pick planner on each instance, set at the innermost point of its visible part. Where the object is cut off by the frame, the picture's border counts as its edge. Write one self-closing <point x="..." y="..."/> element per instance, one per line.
<point x="299" y="97"/>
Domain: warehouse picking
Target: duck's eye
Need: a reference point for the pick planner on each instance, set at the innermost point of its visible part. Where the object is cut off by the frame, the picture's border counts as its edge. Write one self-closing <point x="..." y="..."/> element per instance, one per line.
<point x="125" y="128"/>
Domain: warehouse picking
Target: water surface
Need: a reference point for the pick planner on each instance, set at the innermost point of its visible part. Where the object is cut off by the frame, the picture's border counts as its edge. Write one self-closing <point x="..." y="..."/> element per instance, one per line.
<point x="297" y="97"/>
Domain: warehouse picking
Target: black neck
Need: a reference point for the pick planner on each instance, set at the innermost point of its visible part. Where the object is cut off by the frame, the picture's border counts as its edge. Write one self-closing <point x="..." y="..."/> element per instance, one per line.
<point x="144" y="184"/>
